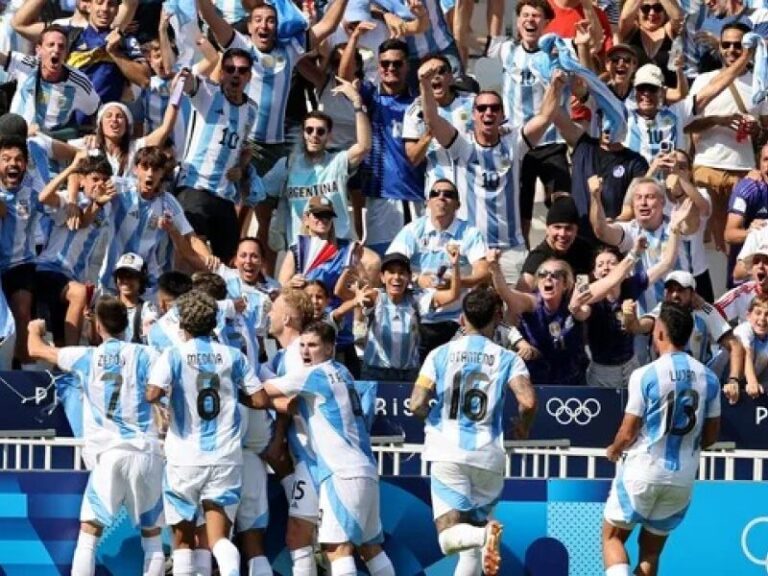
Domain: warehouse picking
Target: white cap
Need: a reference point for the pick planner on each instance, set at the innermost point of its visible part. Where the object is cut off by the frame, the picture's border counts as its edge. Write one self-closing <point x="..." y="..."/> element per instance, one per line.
<point x="762" y="249"/>
<point x="123" y="108"/>
<point x="649" y="74"/>
<point x="685" y="279"/>
<point x="130" y="261"/>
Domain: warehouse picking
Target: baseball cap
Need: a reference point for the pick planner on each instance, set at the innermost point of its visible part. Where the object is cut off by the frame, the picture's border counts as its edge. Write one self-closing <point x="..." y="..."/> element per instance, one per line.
<point x="130" y="261"/>
<point x="649" y="74"/>
<point x="762" y="250"/>
<point x="395" y="258"/>
<point x="320" y="205"/>
<point x="13" y="125"/>
<point x="685" y="279"/>
<point x="622" y="48"/>
<point x="123" y="108"/>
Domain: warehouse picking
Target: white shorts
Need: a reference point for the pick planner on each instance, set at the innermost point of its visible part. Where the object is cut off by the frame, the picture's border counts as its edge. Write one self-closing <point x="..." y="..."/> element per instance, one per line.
<point x="349" y="511"/>
<point x="304" y="500"/>
<point x="659" y="508"/>
<point x="464" y="488"/>
<point x="186" y="487"/>
<point x="125" y="477"/>
<point x="253" y="512"/>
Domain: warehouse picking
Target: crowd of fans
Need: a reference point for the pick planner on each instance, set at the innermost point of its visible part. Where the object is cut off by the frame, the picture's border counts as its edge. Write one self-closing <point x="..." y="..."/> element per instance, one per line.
<point x="142" y="144"/>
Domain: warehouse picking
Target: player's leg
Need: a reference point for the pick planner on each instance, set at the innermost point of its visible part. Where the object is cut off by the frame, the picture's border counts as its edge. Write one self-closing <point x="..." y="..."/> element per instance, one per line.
<point x="220" y="497"/>
<point x="302" y="522"/>
<point x="84" y="560"/>
<point x="651" y="546"/>
<point x="181" y="494"/>
<point x="144" y="502"/>
<point x="202" y="556"/>
<point x="669" y="508"/>
<point x="376" y="560"/>
<point x="154" y="558"/>
<point x="253" y="515"/>
<point x="183" y="548"/>
<point x="627" y="502"/>
<point x="615" y="558"/>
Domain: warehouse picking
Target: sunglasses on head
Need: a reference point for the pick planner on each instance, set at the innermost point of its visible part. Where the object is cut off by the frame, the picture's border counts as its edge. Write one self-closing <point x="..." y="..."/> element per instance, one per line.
<point x="554" y="274"/>
<point x="322" y="215"/>
<point x="448" y="193"/>
<point x="647" y="8"/>
<point x="492" y="107"/>
<point x="396" y="64"/>
<point x="319" y="130"/>
<point x="728" y="45"/>
<point x="231" y="69"/>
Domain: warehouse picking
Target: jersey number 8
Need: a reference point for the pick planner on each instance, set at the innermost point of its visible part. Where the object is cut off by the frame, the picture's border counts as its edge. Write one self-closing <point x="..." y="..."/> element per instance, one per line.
<point x="208" y="399"/>
<point x="466" y="394"/>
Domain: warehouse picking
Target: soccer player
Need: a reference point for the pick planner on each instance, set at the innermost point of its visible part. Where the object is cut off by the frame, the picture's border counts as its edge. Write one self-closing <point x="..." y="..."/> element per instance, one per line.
<point x="464" y="436"/>
<point x="120" y="435"/>
<point x="673" y="411"/>
<point x="204" y="456"/>
<point x="346" y="468"/>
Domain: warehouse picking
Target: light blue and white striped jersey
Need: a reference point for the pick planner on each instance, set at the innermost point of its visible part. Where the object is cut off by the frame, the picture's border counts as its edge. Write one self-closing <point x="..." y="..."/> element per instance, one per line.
<point x="10" y="40"/>
<point x="437" y="39"/>
<point x="270" y="85"/>
<point x="55" y="102"/>
<point x="470" y="376"/>
<point x="673" y="395"/>
<point x="522" y="91"/>
<point x="337" y="428"/>
<point x="203" y="378"/>
<point x="645" y="136"/>
<point x="40" y="153"/>
<point x="759" y="347"/>
<point x="393" y="329"/>
<point x="217" y="133"/>
<point x="68" y="251"/>
<point x="709" y="327"/>
<point x="439" y="163"/>
<point x="488" y="179"/>
<point x="154" y="100"/>
<point x="426" y="248"/>
<point x="7" y="322"/>
<point x="114" y="378"/>
<point x="231" y="10"/>
<point x="19" y="226"/>
<point x="166" y="331"/>
<point x="134" y="229"/>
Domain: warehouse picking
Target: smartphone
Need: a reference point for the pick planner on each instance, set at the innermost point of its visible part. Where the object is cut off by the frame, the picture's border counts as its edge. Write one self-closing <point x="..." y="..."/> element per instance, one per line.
<point x="666" y="147"/>
<point x="582" y="282"/>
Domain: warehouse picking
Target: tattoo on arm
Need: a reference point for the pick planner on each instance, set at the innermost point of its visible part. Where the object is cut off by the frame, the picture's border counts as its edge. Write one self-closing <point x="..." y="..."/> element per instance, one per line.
<point x="420" y="401"/>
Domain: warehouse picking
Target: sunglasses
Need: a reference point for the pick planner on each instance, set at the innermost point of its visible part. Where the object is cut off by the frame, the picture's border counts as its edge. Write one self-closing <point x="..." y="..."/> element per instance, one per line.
<point x="396" y="64"/>
<point x="324" y="216"/>
<point x="554" y="274"/>
<point x="447" y="193"/>
<point x="231" y="69"/>
<point x="648" y="8"/>
<point x="319" y="130"/>
<point x="620" y="59"/>
<point x="728" y="45"/>
<point x="492" y="107"/>
<point x="443" y="70"/>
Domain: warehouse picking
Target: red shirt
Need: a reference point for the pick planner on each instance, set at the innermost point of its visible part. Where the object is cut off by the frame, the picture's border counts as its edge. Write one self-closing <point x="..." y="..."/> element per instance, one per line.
<point x="564" y="23"/>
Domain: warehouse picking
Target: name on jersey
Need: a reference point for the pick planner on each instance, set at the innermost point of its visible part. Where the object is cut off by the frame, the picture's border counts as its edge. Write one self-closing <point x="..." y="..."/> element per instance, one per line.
<point x="473" y="358"/>
<point x="204" y="358"/>
<point x="107" y="360"/>
<point x="314" y="190"/>
<point x="681" y="375"/>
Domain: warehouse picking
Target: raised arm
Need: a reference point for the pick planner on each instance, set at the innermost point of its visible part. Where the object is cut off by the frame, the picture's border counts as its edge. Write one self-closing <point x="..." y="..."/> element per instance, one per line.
<point x="675" y="17"/>
<point x="49" y="195"/>
<point x="166" y="51"/>
<point x="453" y="293"/>
<point x="568" y="129"/>
<point x="38" y="348"/>
<point x="628" y="19"/>
<point x="600" y="288"/>
<point x="359" y="150"/>
<point x="611" y="233"/>
<point x="438" y="126"/>
<point x="134" y="71"/>
<point x="722" y="80"/>
<point x="26" y="20"/>
<point x="221" y="29"/>
<point x="347" y="63"/>
<point x="328" y="23"/>
<point x="160" y="134"/>
<point x="535" y="128"/>
<point x="517" y="302"/>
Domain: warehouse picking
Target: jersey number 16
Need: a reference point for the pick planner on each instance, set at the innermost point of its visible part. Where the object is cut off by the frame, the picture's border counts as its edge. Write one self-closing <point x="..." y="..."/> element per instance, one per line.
<point x="467" y="396"/>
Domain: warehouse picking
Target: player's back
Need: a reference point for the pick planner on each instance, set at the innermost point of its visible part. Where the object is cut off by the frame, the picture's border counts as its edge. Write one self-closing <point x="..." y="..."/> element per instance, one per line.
<point x="470" y="375"/>
<point x="673" y="395"/>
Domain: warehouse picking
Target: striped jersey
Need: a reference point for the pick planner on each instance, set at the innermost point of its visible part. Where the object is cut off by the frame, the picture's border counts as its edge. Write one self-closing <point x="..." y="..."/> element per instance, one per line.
<point x="673" y="395"/>
<point x="488" y="179"/>
<point x="437" y="39"/>
<point x="69" y="252"/>
<point x="645" y="136"/>
<point x="203" y="379"/>
<point x="337" y="427"/>
<point x="734" y="304"/>
<point x="10" y="40"/>
<point x="19" y="225"/>
<point x="469" y="376"/>
<point x="231" y="10"/>
<point x="759" y="347"/>
<point x="7" y="322"/>
<point x="217" y="133"/>
<point x="155" y="99"/>
<point x="134" y="223"/>
<point x="439" y="163"/>
<point x="426" y="248"/>
<point x="49" y="104"/>
<point x="270" y="85"/>
<point x="114" y="378"/>
<point x="166" y="332"/>
<point x="393" y="329"/>
<point x="522" y="91"/>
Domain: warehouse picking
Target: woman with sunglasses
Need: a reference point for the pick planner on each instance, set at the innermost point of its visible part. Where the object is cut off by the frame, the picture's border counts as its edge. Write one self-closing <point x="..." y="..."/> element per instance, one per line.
<point x="651" y="26"/>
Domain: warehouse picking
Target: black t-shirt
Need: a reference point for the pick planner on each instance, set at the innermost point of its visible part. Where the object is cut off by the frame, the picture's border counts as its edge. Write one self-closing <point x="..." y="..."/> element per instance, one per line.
<point x="579" y="256"/>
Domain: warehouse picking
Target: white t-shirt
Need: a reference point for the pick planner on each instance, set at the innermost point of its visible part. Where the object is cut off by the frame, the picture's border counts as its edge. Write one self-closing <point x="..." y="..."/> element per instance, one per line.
<point x="759" y="347"/>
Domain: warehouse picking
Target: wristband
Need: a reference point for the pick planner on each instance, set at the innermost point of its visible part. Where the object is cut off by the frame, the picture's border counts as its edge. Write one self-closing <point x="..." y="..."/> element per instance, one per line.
<point x="359" y="109"/>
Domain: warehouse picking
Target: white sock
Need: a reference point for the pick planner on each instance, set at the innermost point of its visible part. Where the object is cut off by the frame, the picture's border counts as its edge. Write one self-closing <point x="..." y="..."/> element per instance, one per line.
<point x="259" y="566"/>
<point x="380" y="565"/>
<point x="202" y="562"/>
<point x="183" y="562"/>
<point x="84" y="560"/>
<point x="304" y="562"/>
<point x="460" y="537"/>
<point x="227" y="557"/>
<point x="154" y="559"/>
<point x="618" y="570"/>
<point x="344" y="566"/>
<point x="470" y="563"/>
<point x="287" y="484"/>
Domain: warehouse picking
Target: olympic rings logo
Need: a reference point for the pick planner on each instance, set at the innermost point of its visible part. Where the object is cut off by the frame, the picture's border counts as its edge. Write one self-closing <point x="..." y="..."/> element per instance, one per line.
<point x="573" y="410"/>
<point x="745" y="534"/>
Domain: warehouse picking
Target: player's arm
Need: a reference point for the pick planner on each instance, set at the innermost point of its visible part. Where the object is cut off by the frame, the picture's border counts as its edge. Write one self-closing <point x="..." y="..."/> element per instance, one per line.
<point x="526" y="404"/>
<point x="625" y="437"/>
<point x="154" y="393"/>
<point x="421" y="395"/>
<point x="38" y="348"/>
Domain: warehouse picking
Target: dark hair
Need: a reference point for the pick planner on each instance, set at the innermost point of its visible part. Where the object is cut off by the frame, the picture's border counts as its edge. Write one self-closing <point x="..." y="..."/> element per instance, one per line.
<point x="393" y="44"/>
<point x="112" y="315"/>
<point x="96" y="164"/>
<point x="142" y="276"/>
<point x="210" y="283"/>
<point x="152" y="155"/>
<point x="740" y="26"/>
<point x="540" y="5"/>
<point x="231" y="53"/>
<point x="318" y="284"/>
<point x="54" y="28"/>
<point x="197" y="313"/>
<point x="318" y="115"/>
<point x="437" y="56"/>
<point x="359" y="64"/>
<point x="325" y="331"/>
<point x="8" y="142"/>
<point x="498" y="96"/>
<point x="480" y="307"/>
<point x="606" y="249"/>
<point x="251" y="239"/>
<point x="174" y="283"/>
<point x="678" y="321"/>
<point x="264" y="5"/>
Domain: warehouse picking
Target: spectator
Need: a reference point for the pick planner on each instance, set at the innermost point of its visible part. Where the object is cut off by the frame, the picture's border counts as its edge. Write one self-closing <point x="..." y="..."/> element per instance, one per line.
<point x="248" y="274"/>
<point x="621" y="64"/>
<point x="166" y="331"/>
<point x="487" y="165"/>
<point x="718" y="16"/>
<point x="338" y="317"/>
<point x="753" y="262"/>
<point x="568" y="12"/>
<point x="131" y="281"/>
<point x="753" y="335"/>
<point x="425" y="242"/>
